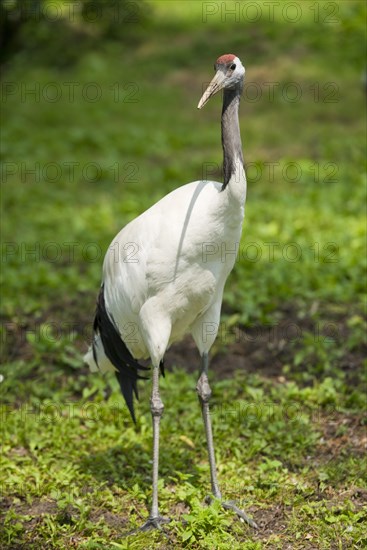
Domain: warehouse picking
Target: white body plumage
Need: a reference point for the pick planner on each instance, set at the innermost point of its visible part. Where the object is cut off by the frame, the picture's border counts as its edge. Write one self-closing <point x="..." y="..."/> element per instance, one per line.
<point x="164" y="273"/>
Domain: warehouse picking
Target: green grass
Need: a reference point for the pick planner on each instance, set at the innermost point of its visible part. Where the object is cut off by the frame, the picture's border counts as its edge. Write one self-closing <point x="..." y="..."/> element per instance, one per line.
<point x="288" y="372"/>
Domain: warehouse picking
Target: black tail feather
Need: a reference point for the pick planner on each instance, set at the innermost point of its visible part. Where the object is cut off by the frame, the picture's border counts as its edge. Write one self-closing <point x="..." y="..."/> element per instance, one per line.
<point x="161" y="368"/>
<point x="115" y="349"/>
<point x="127" y="387"/>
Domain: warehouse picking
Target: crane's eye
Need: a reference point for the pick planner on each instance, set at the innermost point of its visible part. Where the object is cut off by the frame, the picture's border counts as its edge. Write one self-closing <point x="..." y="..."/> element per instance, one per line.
<point x="233" y="66"/>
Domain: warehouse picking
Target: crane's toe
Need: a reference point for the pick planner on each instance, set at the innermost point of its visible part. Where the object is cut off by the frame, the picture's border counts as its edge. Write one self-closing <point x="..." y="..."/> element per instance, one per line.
<point x="230" y="505"/>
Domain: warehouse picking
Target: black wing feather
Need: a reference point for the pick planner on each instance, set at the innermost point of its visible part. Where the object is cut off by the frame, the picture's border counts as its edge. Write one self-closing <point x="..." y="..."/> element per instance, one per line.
<point x="115" y="349"/>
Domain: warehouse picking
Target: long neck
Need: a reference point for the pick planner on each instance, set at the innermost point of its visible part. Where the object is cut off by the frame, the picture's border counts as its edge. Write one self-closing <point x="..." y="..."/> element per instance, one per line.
<point x="231" y="137"/>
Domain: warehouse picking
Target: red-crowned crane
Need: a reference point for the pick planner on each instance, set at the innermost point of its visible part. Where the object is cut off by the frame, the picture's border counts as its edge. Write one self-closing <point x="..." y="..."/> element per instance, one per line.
<point x="158" y="284"/>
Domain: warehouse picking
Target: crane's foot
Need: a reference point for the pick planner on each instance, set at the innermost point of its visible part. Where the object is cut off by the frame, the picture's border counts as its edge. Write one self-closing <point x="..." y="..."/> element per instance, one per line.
<point x="151" y="523"/>
<point x="230" y="505"/>
<point x="154" y="523"/>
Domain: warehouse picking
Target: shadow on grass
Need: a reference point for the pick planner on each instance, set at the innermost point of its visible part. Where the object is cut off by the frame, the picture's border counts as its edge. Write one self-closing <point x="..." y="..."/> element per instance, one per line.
<point x="131" y="463"/>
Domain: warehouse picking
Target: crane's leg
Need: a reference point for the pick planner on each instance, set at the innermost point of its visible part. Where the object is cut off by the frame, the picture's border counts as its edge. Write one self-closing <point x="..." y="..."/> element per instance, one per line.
<point x="156" y="407"/>
<point x="204" y="393"/>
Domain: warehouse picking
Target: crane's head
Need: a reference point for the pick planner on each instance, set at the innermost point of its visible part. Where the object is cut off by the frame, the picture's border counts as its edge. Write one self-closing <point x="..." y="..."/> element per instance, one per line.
<point x="229" y="75"/>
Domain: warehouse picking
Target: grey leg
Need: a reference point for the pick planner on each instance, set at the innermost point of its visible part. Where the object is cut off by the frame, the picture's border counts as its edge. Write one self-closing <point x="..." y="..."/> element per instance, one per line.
<point x="204" y="393"/>
<point x="156" y="406"/>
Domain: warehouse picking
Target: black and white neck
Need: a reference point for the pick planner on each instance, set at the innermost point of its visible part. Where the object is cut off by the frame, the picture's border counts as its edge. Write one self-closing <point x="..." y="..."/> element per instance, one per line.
<point x="231" y="137"/>
<point x="229" y="77"/>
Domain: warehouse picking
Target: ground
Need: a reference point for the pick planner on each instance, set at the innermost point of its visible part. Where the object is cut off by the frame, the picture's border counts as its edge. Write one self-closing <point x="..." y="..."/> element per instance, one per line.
<point x="318" y="474"/>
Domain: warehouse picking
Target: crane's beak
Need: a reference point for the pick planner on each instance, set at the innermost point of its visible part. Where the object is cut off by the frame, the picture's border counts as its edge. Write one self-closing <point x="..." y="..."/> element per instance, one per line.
<point x="216" y="84"/>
